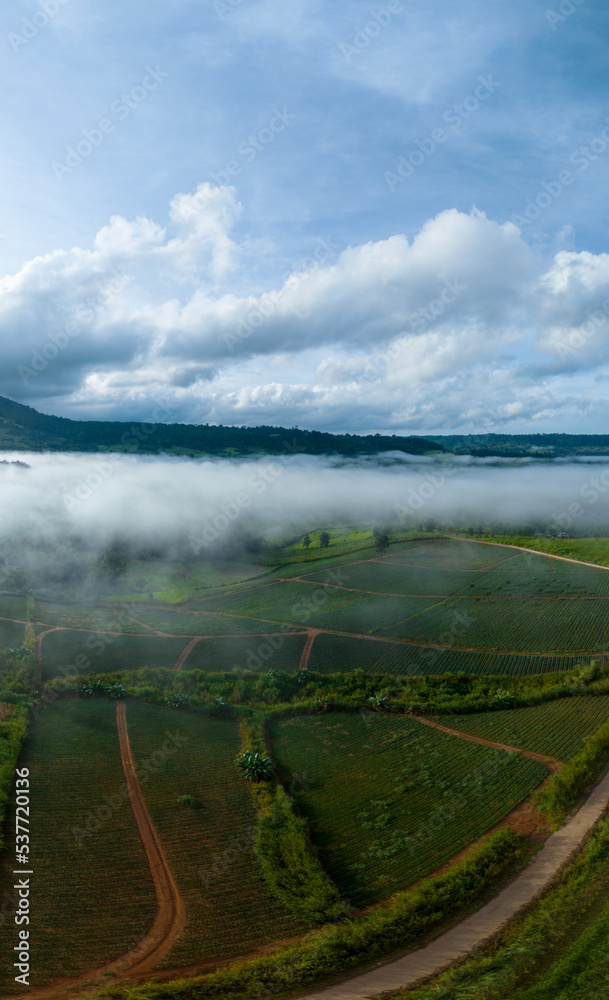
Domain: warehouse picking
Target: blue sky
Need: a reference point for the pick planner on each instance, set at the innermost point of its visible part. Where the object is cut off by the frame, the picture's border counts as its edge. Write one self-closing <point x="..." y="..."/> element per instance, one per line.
<point x="360" y="217"/>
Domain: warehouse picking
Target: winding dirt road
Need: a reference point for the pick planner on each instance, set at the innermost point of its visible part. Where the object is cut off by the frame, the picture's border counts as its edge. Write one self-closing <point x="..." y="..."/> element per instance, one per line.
<point x="170" y="916"/>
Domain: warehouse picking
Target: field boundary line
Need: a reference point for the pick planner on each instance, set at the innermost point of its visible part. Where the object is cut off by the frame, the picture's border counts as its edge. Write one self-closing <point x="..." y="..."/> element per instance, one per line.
<point x="534" y="552"/>
<point x="480" y="927"/>
<point x="551" y="763"/>
<point x="306" y="650"/>
<point x="41" y="635"/>
<point x="186" y="652"/>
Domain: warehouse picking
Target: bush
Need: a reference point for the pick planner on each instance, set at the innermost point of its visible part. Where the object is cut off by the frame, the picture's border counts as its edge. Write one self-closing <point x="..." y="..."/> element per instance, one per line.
<point x="564" y="789"/>
<point x="290" y="865"/>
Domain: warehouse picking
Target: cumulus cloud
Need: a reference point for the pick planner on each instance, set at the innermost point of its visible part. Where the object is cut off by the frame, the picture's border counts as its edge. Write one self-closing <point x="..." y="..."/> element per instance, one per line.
<point x="396" y="334"/>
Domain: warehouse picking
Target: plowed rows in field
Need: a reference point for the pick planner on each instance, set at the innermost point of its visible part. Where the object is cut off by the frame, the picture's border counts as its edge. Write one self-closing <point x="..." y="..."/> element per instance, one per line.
<point x="92" y="896"/>
<point x="65" y="652"/>
<point x="388" y="578"/>
<point x="389" y="799"/>
<point x="229" y="908"/>
<point x="513" y="624"/>
<point x="341" y="654"/>
<point x="97" y="619"/>
<point x="180" y="623"/>
<point x="558" y="728"/>
<point x="12" y="606"/>
<point x="257" y="652"/>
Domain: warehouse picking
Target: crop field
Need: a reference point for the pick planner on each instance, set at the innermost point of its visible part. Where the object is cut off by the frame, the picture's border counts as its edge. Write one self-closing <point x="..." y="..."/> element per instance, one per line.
<point x="229" y="908"/>
<point x="558" y="728"/>
<point x="92" y="896"/>
<point x="12" y="606"/>
<point x="389" y="799"/>
<point x="342" y="654"/>
<point x="490" y="609"/>
<point x="65" y="652"/>
<point x="256" y="652"/>
<point x="11" y="634"/>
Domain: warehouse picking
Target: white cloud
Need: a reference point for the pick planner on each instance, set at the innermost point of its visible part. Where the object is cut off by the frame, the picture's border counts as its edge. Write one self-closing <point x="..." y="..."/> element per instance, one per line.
<point x="392" y="334"/>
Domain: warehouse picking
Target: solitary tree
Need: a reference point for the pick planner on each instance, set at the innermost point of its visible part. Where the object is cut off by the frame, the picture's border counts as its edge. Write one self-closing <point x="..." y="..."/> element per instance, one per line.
<point x="254" y="766"/>
<point x="307" y="541"/>
<point x="324" y="540"/>
<point x="381" y="544"/>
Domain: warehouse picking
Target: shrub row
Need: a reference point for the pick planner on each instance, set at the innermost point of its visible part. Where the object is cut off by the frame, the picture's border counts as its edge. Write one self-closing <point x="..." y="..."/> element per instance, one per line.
<point x="564" y="789"/>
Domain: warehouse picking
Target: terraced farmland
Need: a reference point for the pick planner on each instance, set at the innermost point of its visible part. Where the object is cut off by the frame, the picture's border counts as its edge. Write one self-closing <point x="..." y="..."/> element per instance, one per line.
<point x="389" y="799"/>
<point x="229" y="908"/>
<point x="558" y="728"/>
<point x="92" y="895"/>
<point x="439" y="605"/>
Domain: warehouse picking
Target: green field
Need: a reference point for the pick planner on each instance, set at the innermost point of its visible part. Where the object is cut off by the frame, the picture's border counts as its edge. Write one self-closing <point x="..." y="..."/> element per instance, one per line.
<point x="65" y="652"/>
<point x="257" y="652"/>
<point x="230" y="910"/>
<point x="389" y="799"/>
<point x="558" y="728"/>
<point x="92" y="896"/>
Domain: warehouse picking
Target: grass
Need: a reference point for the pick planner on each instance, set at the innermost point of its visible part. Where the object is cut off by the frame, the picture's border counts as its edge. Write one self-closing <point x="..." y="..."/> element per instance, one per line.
<point x="92" y="896"/>
<point x="230" y="909"/>
<point x="558" y="728"/>
<point x="389" y="799"/>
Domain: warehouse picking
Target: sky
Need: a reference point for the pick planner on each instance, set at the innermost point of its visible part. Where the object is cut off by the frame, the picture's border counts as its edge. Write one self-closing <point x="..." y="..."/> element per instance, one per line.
<point x="346" y="216"/>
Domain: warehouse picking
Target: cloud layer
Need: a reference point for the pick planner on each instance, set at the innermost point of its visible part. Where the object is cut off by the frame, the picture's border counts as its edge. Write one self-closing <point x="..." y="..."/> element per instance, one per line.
<point x="463" y="327"/>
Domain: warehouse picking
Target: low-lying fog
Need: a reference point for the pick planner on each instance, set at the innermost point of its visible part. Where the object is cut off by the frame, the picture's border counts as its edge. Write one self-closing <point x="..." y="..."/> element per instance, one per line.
<point x="66" y="509"/>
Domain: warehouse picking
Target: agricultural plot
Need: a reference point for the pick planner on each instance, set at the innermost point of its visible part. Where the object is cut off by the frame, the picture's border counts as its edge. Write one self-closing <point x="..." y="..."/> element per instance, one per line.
<point x="96" y="619"/>
<point x="340" y="654"/>
<point x="540" y="583"/>
<point x="259" y="652"/>
<point x="558" y="728"/>
<point x="324" y="607"/>
<point x="390" y="578"/>
<point x="412" y="661"/>
<point x="513" y="624"/>
<point x="390" y="799"/>
<point x="65" y="652"/>
<point x="12" y="634"/>
<point x="229" y="908"/>
<point x="446" y="554"/>
<point x="92" y="896"/>
<point x="193" y="623"/>
<point x="13" y="606"/>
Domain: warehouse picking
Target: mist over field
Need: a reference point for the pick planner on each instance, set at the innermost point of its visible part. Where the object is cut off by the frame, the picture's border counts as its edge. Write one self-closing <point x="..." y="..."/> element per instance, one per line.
<point x="63" y="511"/>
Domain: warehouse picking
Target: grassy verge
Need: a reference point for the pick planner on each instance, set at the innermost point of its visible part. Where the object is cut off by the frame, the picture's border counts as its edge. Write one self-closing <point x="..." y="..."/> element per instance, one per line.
<point x="339" y="948"/>
<point x="547" y="948"/>
<point x="564" y="790"/>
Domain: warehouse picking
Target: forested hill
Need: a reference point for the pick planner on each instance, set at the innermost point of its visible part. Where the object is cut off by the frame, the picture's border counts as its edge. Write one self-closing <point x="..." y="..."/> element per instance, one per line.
<point x="24" y="429"/>
<point x="516" y="445"/>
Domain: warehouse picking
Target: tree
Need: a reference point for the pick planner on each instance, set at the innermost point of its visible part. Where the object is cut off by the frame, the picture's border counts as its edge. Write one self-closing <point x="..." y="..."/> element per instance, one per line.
<point x="324" y="540"/>
<point x="381" y="544"/>
<point x="307" y="541"/>
<point x="254" y="766"/>
<point x="114" y="563"/>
